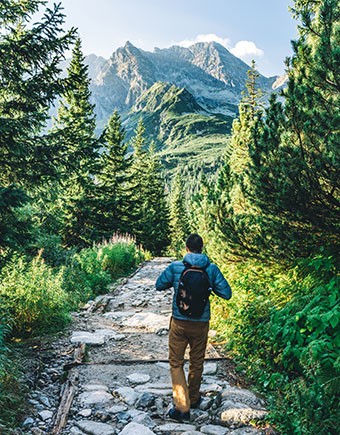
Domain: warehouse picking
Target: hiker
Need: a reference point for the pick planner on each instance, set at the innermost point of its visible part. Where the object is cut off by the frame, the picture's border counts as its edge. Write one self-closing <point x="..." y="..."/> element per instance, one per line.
<point x="192" y="279"/>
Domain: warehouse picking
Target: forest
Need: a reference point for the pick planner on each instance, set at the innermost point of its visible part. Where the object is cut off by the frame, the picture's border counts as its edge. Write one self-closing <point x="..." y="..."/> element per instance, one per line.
<point x="80" y="209"/>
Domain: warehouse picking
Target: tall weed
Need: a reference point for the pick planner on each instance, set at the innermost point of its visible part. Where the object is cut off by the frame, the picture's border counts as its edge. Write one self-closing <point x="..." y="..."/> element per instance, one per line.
<point x="32" y="296"/>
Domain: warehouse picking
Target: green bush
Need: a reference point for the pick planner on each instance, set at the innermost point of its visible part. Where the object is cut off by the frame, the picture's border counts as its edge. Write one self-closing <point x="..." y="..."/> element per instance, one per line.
<point x="90" y="272"/>
<point x="119" y="258"/>
<point x="284" y="327"/>
<point x="32" y="296"/>
<point x="84" y="277"/>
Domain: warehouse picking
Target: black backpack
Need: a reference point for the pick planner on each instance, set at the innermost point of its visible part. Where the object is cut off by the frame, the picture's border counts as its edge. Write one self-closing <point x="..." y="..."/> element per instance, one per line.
<point x="193" y="291"/>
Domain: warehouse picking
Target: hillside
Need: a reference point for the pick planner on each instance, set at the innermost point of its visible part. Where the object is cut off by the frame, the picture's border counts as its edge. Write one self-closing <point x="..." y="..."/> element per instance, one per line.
<point x="184" y="133"/>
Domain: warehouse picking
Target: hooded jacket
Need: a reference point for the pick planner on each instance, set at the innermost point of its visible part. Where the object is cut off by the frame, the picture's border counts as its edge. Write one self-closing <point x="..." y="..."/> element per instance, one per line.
<point x="171" y="275"/>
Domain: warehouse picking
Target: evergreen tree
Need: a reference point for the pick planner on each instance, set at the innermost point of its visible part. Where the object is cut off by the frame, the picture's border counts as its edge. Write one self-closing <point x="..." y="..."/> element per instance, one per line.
<point x="179" y="225"/>
<point x="235" y="218"/>
<point x="295" y="154"/>
<point x="29" y="83"/>
<point x="114" y="179"/>
<point x="150" y="214"/>
<point x="75" y="127"/>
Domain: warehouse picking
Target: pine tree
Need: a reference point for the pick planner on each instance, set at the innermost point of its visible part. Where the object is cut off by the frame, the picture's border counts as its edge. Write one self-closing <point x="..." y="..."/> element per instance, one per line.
<point x="235" y="218"/>
<point x="114" y="179"/>
<point x="150" y="212"/>
<point x="296" y="158"/>
<point x="29" y="83"/>
<point x="75" y="127"/>
<point x="179" y="225"/>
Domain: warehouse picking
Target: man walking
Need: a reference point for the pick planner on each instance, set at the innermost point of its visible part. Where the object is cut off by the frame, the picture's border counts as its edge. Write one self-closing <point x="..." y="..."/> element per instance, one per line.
<point x="186" y="326"/>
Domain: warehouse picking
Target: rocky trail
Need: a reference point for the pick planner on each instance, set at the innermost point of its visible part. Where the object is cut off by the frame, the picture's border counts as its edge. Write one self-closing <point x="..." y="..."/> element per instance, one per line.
<point x="117" y="379"/>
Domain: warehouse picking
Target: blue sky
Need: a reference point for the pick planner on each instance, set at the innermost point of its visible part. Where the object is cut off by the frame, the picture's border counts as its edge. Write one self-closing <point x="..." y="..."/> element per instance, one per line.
<point x="259" y="29"/>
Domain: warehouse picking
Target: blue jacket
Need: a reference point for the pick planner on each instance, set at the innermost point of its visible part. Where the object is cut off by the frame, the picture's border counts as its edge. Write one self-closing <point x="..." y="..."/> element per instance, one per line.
<point x="171" y="275"/>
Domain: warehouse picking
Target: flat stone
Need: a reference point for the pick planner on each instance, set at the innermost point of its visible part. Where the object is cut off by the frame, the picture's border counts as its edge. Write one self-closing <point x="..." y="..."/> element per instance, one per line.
<point x="148" y="320"/>
<point x="85" y="412"/>
<point x="155" y="386"/>
<point x="239" y="416"/>
<point x="163" y="365"/>
<point x="157" y="389"/>
<point x="44" y="400"/>
<point x="95" y="428"/>
<point x="76" y="431"/>
<point x="212" y="429"/>
<point x="145" y="420"/>
<point x="175" y="427"/>
<point x="241" y="395"/>
<point x="116" y="408"/>
<point x="209" y="368"/>
<point x="157" y="392"/>
<point x="136" y="429"/>
<point x="128" y="395"/>
<point x="192" y="432"/>
<point x="138" y="378"/>
<point x="45" y="415"/>
<point x="95" y="387"/>
<point x="96" y="338"/>
<point x="95" y="398"/>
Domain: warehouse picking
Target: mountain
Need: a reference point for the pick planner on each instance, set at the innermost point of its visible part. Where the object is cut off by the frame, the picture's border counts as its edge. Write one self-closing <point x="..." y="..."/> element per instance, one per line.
<point x="213" y="76"/>
<point x="187" y="97"/>
<point x="185" y="134"/>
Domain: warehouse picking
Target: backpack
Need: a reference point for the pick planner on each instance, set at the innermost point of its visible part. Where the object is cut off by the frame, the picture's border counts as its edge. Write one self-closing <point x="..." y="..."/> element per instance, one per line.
<point x="193" y="291"/>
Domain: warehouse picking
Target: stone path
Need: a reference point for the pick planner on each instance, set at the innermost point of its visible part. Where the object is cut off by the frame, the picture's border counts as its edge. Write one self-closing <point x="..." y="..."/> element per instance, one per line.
<point x="133" y="398"/>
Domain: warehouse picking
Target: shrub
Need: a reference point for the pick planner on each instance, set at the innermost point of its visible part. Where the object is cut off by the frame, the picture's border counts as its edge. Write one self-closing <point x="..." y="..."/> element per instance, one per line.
<point x="84" y="277"/>
<point x="32" y="296"/>
<point x="92" y="270"/>
<point x="284" y="327"/>
<point x="120" y="255"/>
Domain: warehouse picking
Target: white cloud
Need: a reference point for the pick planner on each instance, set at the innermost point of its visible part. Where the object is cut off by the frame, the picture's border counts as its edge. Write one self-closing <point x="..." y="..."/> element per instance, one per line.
<point x="244" y="49"/>
<point x="210" y="37"/>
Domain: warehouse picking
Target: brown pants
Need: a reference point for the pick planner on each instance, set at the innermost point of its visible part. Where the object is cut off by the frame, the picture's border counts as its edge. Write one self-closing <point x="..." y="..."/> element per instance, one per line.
<point x="182" y="333"/>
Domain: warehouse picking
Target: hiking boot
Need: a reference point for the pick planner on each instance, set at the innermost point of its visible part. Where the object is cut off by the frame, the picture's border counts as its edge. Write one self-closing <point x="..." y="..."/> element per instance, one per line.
<point x="182" y="417"/>
<point x="197" y="403"/>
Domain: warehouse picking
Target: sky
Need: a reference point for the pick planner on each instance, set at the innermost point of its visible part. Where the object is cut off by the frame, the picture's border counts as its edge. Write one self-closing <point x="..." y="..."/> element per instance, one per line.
<point x="250" y="29"/>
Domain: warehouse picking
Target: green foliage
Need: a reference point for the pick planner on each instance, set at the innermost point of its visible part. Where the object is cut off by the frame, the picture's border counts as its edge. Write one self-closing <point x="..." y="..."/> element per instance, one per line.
<point x="12" y="391"/>
<point x="75" y="129"/>
<point x="295" y="158"/>
<point x="114" y="180"/>
<point x="90" y="272"/>
<point x="284" y="326"/>
<point x="84" y="277"/>
<point x="149" y="215"/>
<point x="179" y="224"/>
<point x="30" y="82"/>
<point x="32" y="296"/>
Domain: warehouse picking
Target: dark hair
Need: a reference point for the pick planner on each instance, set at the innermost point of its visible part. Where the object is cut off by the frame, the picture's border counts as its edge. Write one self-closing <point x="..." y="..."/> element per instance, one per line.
<point x="194" y="243"/>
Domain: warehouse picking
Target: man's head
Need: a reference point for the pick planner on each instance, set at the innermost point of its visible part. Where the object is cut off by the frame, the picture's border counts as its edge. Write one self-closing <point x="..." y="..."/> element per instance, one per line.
<point x="194" y="243"/>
